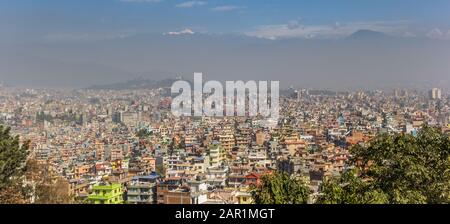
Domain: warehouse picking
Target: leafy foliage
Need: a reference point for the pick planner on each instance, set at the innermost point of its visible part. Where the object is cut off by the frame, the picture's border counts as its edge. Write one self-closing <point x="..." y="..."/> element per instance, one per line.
<point x="280" y="188"/>
<point x="350" y="189"/>
<point x="48" y="188"/>
<point x="12" y="167"/>
<point x="21" y="179"/>
<point x="160" y="170"/>
<point x="397" y="169"/>
<point x="143" y="133"/>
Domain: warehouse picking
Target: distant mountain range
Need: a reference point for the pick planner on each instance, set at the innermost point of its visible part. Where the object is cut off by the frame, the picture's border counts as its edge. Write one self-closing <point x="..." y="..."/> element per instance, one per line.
<point x="366" y="59"/>
<point x="137" y="84"/>
<point x="368" y="34"/>
<point x="143" y="83"/>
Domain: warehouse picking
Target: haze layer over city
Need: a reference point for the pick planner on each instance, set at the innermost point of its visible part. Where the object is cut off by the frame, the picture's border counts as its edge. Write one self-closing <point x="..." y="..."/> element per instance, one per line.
<point x="96" y="102"/>
<point x="310" y="44"/>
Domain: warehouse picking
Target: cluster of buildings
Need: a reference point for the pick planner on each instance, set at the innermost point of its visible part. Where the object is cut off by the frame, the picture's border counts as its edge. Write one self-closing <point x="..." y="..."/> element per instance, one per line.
<point x="124" y="146"/>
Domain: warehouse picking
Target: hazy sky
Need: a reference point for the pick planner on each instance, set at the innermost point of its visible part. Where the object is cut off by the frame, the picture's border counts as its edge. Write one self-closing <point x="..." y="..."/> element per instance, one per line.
<point x="75" y="43"/>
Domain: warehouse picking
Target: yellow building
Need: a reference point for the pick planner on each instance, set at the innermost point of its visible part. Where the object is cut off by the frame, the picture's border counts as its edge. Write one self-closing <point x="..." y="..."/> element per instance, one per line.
<point x="106" y="194"/>
<point x="243" y="197"/>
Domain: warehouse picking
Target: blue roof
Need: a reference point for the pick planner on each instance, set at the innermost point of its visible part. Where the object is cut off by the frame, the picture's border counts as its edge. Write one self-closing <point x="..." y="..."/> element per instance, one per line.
<point x="153" y="175"/>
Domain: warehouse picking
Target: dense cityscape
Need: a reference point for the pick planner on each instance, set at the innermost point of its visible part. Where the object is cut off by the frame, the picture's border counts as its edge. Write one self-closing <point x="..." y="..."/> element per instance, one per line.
<point x="125" y="146"/>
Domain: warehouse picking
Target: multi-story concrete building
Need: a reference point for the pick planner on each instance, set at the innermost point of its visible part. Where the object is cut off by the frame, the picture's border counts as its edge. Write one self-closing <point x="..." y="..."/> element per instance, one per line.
<point x="142" y="189"/>
<point x="106" y="193"/>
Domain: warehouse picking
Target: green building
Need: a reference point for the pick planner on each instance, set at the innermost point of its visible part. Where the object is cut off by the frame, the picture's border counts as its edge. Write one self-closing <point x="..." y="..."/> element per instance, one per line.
<point x="106" y="194"/>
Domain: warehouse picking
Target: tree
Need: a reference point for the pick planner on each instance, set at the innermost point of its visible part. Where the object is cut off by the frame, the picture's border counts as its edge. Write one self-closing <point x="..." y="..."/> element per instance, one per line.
<point x="13" y="157"/>
<point x="182" y="144"/>
<point x="20" y="179"/>
<point x="49" y="188"/>
<point x="350" y="189"/>
<point x="171" y="147"/>
<point x="53" y="191"/>
<point x="280" y="188"/>
<point x="143" y="133"/>
<point x="160" y="170"/>
<point x="398" y="169"/>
